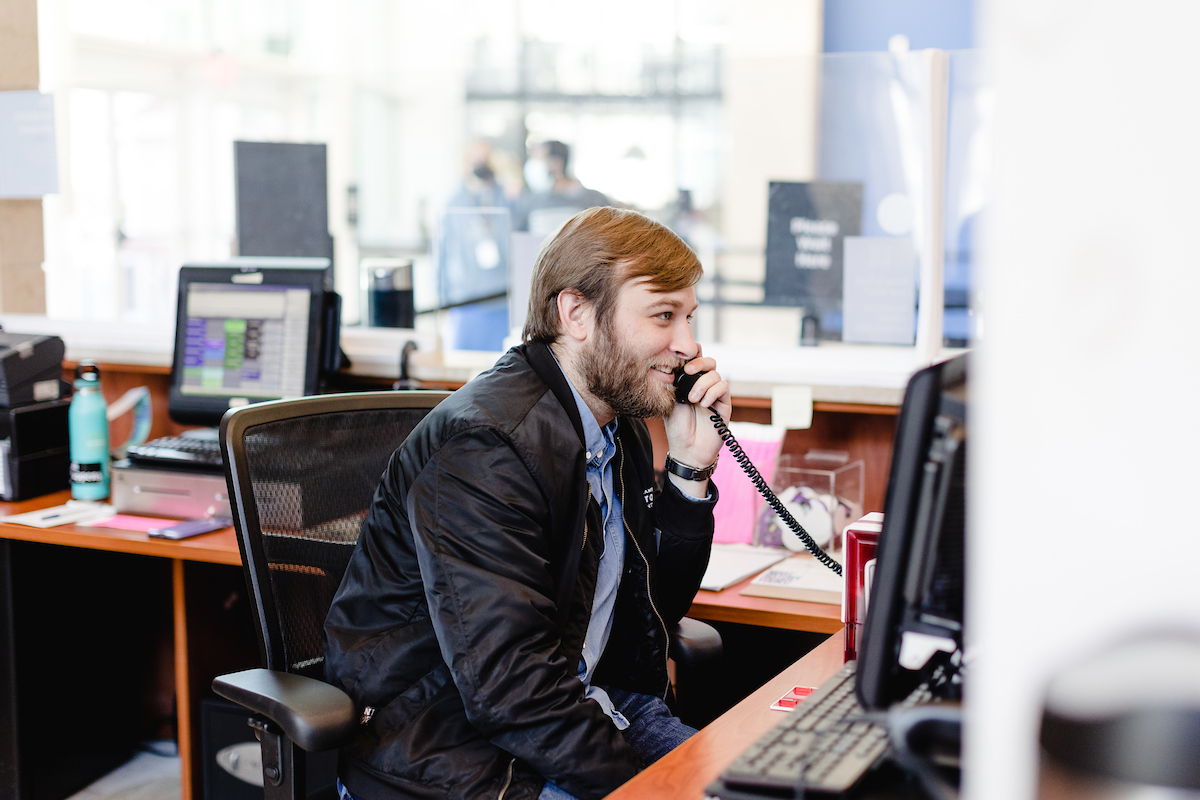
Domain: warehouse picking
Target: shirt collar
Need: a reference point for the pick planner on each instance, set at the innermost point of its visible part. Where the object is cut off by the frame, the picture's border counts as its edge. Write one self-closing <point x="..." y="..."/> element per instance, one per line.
<point x="596" y="440"/>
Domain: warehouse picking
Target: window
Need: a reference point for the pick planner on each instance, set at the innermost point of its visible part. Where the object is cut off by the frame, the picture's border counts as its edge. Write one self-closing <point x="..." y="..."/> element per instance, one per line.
<point x="683" y="109"/>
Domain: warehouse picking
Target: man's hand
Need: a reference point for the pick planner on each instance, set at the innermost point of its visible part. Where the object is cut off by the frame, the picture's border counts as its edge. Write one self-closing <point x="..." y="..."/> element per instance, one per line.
<point x="691" y="437"/>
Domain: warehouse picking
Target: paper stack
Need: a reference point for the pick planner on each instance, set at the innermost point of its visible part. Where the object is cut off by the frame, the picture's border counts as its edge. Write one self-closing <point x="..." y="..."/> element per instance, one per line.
<point x="800" y="577"/>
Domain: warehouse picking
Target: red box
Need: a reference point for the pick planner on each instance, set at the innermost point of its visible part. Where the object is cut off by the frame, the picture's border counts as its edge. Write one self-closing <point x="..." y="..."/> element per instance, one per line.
<point x="862" y="537"/>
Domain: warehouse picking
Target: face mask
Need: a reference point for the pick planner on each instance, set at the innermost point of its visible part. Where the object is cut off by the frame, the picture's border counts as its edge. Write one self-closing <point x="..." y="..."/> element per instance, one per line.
<point x="537" y="176"/>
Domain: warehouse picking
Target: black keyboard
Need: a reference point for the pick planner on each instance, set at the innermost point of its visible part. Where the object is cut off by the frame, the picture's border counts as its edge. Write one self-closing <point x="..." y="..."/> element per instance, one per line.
<point x="178" y="451"/>
<point x="825" y="741"/>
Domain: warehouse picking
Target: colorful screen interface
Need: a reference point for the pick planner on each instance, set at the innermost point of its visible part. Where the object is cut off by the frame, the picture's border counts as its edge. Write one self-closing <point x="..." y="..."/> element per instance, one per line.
<point x="245" y="341"/>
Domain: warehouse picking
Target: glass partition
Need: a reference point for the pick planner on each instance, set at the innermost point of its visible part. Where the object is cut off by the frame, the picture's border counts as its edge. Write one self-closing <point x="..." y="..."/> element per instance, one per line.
<point x="846" y="244"/>
<point x="968" y="189"/>
<point x="812" y="187"/>
<point x="829" y="242"/>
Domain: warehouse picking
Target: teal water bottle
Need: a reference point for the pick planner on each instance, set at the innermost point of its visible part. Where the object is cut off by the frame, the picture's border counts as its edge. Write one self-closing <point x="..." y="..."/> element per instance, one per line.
<point x="87" y="422"/>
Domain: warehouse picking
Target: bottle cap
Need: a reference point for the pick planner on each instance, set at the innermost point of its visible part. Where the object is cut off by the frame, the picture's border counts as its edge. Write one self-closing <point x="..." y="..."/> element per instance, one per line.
<point x="87" y="372"/>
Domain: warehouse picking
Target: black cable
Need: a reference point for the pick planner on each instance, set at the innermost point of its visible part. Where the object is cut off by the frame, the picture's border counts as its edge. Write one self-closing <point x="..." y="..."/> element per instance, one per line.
<point x="757" y="479"/>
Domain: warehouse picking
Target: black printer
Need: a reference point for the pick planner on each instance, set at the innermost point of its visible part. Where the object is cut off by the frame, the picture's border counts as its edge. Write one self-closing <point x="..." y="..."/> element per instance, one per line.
<point x="35" y="453"/>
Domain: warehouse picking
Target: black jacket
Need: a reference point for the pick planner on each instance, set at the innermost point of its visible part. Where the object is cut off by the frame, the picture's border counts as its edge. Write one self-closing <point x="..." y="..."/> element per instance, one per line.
<point x="462" y="614"/>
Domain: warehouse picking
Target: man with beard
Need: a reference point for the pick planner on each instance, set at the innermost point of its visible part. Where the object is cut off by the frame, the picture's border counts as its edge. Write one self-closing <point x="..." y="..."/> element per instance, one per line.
<point x="503" y="619"/>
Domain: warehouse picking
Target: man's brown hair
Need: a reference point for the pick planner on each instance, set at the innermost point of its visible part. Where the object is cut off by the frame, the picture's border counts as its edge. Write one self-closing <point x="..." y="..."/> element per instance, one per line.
<point x="594" y="253"/>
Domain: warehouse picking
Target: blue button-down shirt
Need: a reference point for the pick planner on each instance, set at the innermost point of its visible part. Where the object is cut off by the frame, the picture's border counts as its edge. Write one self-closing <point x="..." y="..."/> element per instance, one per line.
<point x="601" y="449"/>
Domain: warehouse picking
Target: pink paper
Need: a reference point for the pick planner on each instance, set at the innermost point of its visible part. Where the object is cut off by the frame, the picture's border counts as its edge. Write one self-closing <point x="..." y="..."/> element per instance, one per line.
<point x="129" y="522"/>
<point x="739" y="502"/>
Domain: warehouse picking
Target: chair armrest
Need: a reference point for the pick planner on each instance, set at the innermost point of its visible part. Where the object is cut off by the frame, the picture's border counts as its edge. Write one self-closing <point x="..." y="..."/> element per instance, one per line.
<point x="694" y="642"/>
<point x="313" y="714"/>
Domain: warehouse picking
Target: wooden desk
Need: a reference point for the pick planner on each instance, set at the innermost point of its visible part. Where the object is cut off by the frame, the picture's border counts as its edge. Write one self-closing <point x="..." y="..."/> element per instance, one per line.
<point x="219" y="547"/>
<point x="730" y="606"/>
<point x="684" y="772"/>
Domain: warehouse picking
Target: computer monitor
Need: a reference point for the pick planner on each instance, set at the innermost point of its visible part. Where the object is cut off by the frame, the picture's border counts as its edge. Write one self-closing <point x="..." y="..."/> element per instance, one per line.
<point x="914" y="626"/>
<point x="246" y="330"/>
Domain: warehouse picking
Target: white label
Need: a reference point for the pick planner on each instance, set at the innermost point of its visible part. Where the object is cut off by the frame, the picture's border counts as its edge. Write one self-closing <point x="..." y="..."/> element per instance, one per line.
<point x="917" y="648"/>
<point x="46" y="390"/>
<point x="86" y="473"/>
<point x="243" y="761"/>
<point x="792" y="407"/>
<point x="868" y="579"/>
<point x="4" y="479"/>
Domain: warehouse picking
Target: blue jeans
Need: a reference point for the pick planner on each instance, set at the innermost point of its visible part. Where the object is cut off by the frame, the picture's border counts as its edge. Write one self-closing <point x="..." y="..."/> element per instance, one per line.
<point x="652" y="733"/>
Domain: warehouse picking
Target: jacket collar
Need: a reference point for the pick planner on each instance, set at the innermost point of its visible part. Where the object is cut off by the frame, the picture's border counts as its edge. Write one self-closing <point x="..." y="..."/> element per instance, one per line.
<point x="546" y="367"/>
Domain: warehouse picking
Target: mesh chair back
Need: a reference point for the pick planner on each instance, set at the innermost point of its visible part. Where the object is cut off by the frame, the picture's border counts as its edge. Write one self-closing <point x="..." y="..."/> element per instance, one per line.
<point x="301" y="477"/>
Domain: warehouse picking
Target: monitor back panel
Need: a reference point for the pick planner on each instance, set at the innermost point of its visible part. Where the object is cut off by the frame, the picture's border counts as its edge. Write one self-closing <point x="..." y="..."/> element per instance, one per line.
<point x="282" y="199"/>
<point x="918" y="579"/>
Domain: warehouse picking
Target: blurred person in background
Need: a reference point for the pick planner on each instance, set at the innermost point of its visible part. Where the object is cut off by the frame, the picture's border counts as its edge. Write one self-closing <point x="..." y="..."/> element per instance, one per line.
<point x="554" y="196"/>
<point x="472" y="253"/>
<point x="480" y="187"/>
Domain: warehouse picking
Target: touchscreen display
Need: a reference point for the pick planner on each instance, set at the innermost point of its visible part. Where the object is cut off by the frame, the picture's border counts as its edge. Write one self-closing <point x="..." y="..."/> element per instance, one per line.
<point x="245" y="340"/>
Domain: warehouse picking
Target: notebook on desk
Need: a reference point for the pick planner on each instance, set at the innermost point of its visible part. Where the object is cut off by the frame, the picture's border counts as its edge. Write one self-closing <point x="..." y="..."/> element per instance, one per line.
<point x="800" y="577"/>
<point x="733" y="563"/>
<point x="910" y="656"/>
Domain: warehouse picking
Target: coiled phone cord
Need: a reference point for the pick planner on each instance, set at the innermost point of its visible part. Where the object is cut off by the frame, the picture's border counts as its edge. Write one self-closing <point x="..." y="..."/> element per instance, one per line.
<point x="757" y="479"/>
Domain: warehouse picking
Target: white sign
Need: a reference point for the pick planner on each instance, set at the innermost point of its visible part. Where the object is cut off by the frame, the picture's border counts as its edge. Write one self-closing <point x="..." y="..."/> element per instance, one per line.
<point x="28" y="159"/>
<point x="879" y="290"/>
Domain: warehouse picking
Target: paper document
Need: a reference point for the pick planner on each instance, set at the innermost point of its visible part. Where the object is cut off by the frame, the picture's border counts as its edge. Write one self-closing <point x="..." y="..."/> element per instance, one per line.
<point x="74" y="511"/>
<point x="730" y="563"/>
<point x="800" y="577"/>
<point x="131" y="522"/>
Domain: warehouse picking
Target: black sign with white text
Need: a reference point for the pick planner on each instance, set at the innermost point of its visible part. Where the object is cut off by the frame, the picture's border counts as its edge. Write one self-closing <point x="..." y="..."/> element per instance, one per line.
<point x="806" y="224"/>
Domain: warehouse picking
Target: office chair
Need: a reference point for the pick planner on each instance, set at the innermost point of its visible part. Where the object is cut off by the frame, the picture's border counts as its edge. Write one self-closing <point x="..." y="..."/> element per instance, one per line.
<point x="301" y="476"/>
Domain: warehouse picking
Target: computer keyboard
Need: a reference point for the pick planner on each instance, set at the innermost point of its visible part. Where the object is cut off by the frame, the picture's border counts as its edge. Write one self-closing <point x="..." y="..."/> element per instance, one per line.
<point x="826" y="740"/>
<point x="178" y="451"/>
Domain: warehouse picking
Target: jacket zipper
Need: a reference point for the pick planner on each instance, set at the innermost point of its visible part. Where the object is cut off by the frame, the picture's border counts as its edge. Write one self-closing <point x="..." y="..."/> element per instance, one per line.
<point x="649" y="595"/>
<point x="507" y="780"/>
<point x="587" y="488"/>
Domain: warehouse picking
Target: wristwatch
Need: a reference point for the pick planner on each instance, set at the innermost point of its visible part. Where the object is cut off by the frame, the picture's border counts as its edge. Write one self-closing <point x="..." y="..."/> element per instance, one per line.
<point x="689" y="473"/>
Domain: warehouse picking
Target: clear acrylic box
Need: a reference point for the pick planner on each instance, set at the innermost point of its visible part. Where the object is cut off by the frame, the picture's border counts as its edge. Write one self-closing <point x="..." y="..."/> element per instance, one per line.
<point x="823" y="490"/>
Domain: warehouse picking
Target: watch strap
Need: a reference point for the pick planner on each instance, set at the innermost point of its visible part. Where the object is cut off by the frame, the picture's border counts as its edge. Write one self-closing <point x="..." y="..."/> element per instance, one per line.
<point x="689" y="473"/>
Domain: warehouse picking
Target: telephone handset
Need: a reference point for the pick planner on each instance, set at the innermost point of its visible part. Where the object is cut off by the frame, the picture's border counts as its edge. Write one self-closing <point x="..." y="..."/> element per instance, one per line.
<point x="683" y="385"/>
